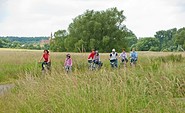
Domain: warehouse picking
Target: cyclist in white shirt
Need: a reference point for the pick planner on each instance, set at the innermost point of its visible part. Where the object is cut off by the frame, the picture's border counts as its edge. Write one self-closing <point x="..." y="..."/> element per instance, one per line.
<point x="113" y="58"/>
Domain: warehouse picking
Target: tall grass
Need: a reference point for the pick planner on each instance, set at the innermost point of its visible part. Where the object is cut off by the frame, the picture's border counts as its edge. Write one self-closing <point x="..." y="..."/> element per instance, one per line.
<point x="153" y="86"/>
<point x="15" y="62"/>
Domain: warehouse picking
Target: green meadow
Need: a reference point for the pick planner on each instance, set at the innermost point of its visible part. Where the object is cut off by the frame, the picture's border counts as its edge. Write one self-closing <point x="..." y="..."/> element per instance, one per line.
<point x="155" y="85"/>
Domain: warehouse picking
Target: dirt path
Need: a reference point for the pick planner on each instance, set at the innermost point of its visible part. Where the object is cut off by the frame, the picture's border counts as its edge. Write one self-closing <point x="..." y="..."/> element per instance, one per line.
<point x="5" y="87"/>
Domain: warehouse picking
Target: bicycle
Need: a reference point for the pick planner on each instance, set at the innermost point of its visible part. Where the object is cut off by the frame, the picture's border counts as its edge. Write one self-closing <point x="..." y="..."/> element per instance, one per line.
<point x="68" y="69"/>
<point x="97" y="65"/>
<point x="46" y="67"/>
<point x="133" y="62"/>
<point x="113" y="63"/>
<point x="91" y="65"/>
<point x="94" y="65"/>
<point x="124" y="62"/>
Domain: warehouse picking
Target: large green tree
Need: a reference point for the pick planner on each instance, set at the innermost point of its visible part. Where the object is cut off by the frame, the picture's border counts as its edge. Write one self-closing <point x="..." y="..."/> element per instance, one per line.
<point x="1" y="43"/>
<point x="180" y="37"/>
<point x="57" y="44"/>
<point x="166" y="38"/>
<point x="102" y="30"/>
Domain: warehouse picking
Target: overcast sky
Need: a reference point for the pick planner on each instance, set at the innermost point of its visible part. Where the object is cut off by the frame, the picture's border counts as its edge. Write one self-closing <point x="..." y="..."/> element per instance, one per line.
<point x="41" y="17"/>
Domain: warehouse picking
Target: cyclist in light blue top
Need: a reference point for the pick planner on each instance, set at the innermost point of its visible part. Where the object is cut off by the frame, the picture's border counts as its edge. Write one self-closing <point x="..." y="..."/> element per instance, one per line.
<point x="133" y="56"/>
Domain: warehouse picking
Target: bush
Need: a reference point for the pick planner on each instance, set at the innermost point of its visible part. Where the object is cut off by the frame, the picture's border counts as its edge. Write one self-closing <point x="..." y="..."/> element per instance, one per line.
<point x="154" y="49"/>
<point x="165" y="50"/>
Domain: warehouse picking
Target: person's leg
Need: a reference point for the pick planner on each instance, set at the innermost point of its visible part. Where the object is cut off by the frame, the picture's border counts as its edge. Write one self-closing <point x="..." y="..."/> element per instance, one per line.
<point x="66" y="68"/>
<point x="112" y="63"/>
<point x="99" y="63"/>
<point x="43" y="63"/>
<point x="70" y="68"/>
<point x="131" y="61"/>
<point x="116" y="62"/>
<point x="122" y="60"/>
<point x="49" y="65"/>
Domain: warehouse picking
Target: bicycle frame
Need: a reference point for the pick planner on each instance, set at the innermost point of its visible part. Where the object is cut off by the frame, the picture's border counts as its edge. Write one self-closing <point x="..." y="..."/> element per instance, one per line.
<point x="113" y="63"/>
<point x="124" y="62"/>
<point x="68" y="69"/>
<point x="93" y="65"/>
<point x="133" y="62"/>
<point x="46" y="68"/>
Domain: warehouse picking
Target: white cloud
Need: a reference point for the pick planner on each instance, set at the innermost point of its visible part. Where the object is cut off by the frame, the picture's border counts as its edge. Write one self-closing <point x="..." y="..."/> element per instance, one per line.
<point x="41" y="17"/>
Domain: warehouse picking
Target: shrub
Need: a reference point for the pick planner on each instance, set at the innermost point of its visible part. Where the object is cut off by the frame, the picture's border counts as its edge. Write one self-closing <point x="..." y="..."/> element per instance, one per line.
<point x="154" y="48"/>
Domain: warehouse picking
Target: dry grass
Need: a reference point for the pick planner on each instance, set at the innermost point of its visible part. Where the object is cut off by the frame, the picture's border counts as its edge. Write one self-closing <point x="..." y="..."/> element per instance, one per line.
<point x="153" y="86"/>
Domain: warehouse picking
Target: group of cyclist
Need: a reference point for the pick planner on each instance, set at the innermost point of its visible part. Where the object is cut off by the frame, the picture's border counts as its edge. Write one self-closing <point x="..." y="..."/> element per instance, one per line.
<point x="93" y="58"/>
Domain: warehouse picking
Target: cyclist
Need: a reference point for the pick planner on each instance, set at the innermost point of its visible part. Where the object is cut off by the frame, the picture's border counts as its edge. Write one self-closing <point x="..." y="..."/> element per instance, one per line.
<point x="91" y="56"/>
<point x="46" y="58"/>
<point x="133" y="56"/>
<point x="113" y="58"/>
<point x="68" y="63"/>
<point x="123" y="57"/>
<point x="96" y="59"/>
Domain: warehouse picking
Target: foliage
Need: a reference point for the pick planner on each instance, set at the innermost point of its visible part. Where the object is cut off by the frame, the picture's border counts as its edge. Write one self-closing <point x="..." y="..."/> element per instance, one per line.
<point x="152" y="48"/>
<point x="102" y="30"/>
<point x="57" y="44"/>
<point x="180" y="37"/>
<point x="22" y="42"/>
<point x="145" y="44"/>
<point x="131" y="41"/>
<point x="166" y="38"/>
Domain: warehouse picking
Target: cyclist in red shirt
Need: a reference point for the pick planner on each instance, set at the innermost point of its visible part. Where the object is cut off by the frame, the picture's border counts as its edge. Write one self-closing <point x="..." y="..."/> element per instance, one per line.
<point x="91" y="56"/>
<point x="46" y="58"/>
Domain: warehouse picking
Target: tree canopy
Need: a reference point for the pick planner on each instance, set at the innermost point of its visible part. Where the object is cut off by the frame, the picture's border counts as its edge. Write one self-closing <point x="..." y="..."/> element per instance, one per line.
<point x="146" y="44"/>
<point x="102" y="30"/>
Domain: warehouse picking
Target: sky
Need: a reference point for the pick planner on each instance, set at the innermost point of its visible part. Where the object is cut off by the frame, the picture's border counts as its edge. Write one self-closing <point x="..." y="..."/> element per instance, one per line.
<point x="41" y="17"/>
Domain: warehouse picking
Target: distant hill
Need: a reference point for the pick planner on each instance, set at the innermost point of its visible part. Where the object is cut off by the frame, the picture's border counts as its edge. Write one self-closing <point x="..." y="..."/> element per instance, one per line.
<point x="25" y="40"/>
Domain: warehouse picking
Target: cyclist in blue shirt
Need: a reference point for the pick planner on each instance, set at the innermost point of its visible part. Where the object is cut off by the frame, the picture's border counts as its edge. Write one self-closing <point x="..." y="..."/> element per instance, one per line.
<point x="133" y="56"/>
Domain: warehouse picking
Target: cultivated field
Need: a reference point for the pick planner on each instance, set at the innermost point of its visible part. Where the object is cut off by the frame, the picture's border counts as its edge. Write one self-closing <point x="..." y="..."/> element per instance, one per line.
<point x="156" y="84"/>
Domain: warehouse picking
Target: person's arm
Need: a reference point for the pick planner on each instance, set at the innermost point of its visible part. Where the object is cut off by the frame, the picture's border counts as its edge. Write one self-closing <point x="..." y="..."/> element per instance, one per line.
<point x="94" y="58"/>
<point x="110" y="55"/>
<point x="120" y="55"/>
<point x="89" y="56"/>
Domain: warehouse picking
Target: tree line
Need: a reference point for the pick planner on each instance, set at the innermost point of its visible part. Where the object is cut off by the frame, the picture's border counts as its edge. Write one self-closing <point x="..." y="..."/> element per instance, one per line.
<point x="104" y="30"/>
<point x="22" y="42"/>
<point x="163" y="40"/>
